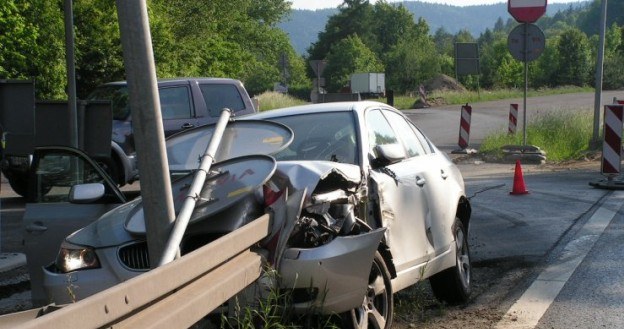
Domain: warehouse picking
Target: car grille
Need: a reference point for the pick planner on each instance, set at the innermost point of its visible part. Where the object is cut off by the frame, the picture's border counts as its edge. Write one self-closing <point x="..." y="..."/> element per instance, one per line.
<point x="135" y="256"/>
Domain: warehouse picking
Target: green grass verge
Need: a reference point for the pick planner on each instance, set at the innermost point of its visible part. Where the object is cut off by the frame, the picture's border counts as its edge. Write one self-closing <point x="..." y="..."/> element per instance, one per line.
<point x="563" y="135"/>
<point x="273" y="100"/>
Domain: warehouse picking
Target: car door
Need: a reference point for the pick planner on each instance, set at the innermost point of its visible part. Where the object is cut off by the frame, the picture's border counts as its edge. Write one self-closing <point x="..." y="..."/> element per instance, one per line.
<point x="400" y="189"/>
<point x="178" y="112"/>
<point x="49" y="217"/>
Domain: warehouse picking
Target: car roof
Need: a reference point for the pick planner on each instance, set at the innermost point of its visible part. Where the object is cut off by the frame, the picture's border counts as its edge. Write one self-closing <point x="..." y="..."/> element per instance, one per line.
<point x="171" y="81"/>
<point x="359" y="106"/>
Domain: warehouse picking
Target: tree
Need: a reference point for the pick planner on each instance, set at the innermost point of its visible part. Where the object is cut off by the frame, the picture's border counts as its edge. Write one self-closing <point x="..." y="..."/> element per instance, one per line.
<point x="355" y="17"/>
<point x="574" y="58"/>
<point x="411" y="63"/>
<point x="348" y="56"/>
<point x="29" y="40"/>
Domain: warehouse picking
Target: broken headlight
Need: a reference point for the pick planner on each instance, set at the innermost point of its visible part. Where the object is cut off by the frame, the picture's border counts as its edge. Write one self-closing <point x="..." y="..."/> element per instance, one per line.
<point x="329" y="215"/>
<point x="73" y="257"/>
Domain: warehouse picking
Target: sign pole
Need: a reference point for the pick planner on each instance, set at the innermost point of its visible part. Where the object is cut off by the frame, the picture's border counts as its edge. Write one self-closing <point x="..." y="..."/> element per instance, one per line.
<point x="526" y="85"/>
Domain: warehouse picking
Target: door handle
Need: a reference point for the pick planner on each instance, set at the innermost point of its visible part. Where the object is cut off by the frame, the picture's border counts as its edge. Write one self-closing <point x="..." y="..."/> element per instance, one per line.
<point x="443" y="174"/>
<point x="187" y="125"/>
<point x="420" y="181"/>
<point x="37" y="227"/>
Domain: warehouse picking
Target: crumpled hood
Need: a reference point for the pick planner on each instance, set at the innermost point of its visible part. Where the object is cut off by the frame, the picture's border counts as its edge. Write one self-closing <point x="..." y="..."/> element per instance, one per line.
<point x="307" y="174"/>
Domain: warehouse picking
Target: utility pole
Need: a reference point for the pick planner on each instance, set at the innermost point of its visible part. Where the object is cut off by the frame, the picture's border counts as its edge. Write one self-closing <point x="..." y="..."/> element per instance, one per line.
<point x="71" y="73"/>
<point x="599" y="70"/>
<point x="149" y="136"/>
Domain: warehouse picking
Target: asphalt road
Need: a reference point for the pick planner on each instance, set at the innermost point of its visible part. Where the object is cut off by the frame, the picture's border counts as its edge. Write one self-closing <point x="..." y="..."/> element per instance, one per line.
<point x="513" y="239"/>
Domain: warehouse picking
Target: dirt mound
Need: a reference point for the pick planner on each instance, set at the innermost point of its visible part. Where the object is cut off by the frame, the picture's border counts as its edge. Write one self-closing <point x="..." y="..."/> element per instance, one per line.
<point x="443" y="83"/>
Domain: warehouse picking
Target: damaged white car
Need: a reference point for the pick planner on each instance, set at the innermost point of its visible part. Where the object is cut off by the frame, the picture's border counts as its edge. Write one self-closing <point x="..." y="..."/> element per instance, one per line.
<point x="363" y="205"/>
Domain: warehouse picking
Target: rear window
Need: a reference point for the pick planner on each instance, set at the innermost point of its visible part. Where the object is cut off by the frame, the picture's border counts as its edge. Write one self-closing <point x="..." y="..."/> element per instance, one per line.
<point x="218" y="96"/>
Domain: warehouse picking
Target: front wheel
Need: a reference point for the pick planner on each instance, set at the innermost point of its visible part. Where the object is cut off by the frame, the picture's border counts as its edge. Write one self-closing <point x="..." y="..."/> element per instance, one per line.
<point x="453" y="285"/>
<point x="378" y="304"/>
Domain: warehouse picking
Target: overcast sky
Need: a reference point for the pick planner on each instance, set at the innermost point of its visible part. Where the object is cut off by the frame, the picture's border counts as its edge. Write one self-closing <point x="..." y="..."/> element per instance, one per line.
<point x="318" y="4"/>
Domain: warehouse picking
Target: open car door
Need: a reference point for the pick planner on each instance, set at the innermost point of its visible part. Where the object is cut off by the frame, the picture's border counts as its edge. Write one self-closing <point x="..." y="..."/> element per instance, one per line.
<point x="56" y="208"/>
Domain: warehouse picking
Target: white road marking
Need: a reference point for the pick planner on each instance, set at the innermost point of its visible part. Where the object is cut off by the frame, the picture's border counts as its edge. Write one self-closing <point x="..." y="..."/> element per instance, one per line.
<point x="529" y="309"/>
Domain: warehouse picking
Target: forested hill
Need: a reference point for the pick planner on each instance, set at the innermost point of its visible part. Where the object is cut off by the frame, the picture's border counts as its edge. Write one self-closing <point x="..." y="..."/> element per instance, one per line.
<point x="303" y="25"/>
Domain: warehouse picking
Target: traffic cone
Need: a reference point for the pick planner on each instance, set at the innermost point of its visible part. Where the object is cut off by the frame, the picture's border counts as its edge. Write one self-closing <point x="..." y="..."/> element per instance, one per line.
<point x="518" y="183"/>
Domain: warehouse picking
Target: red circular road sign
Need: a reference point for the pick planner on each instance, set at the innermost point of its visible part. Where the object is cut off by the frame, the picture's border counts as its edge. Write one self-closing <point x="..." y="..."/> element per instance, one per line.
<point x="526" y="11"/>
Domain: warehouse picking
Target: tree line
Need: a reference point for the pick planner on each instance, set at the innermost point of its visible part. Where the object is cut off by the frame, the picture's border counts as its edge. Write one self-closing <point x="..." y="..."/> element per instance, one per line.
<point x="240" y="39"/>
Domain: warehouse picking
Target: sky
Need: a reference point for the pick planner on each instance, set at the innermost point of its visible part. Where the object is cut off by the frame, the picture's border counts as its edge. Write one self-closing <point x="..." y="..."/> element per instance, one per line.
<point x="319" y="4"/>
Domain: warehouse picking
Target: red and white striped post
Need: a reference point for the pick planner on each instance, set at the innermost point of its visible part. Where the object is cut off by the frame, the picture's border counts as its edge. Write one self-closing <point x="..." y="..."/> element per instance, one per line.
<point x="612" y="145"/>
<point x="464" y="130"/>
<point x="513" y="118"/>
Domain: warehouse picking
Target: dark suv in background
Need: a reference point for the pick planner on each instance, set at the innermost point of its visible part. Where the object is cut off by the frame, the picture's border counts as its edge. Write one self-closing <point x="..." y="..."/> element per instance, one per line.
<point x="184" y="103"/>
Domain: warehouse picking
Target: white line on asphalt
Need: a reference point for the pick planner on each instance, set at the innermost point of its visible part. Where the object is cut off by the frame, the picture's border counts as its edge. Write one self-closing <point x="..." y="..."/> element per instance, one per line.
<point x="529" y="309"/>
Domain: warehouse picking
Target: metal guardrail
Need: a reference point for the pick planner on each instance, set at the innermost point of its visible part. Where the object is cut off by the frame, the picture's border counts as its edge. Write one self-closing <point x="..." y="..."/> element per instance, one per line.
<point x="175" y="295"/>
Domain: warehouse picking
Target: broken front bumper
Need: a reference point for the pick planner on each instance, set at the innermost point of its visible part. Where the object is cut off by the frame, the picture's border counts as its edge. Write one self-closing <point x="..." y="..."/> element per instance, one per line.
<point x="331" y="278"/>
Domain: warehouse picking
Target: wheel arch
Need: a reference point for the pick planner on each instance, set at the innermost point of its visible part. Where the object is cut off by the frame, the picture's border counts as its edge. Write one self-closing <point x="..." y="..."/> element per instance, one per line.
<point x="464" y="211"/>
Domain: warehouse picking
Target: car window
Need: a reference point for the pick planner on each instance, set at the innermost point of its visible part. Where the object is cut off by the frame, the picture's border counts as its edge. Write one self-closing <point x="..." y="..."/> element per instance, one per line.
<point x="321" y="136"/>
<point x="218" y="96"/>
<point x="118" y="95"/>
<point x="379" y="131"/>
<point x="175" y="102"/>
<point x="411" y="142"/>
<point x="56" y="173"/>
<point x="423" y="140"/>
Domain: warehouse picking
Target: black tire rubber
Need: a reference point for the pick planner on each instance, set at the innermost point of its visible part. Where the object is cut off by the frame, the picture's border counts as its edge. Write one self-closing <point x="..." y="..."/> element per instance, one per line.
<point x="453" y="284"/>
<point x="19" y="184"/>
<point x="377" y="307"/>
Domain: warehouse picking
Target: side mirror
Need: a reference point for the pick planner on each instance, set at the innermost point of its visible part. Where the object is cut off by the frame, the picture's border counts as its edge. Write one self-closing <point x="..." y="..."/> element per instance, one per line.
<point x="86" y="193"/>
<point x="388" y="154"/>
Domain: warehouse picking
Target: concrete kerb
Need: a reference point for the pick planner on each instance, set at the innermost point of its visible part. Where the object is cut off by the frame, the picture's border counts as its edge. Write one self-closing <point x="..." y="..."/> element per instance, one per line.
<point x="11" y="260"/>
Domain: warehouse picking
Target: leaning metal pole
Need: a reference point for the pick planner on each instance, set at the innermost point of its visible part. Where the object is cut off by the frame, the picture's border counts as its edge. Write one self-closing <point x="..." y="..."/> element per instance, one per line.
<point x="184" y="216"/>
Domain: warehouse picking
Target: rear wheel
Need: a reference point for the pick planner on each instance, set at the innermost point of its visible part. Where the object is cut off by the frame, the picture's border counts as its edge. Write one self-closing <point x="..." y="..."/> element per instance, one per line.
<point x="453" y="285"/>
<point x="377" y="307"/>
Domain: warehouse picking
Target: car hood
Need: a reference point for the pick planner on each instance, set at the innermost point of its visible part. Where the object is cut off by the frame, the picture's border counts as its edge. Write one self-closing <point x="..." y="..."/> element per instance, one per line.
<point x="126" y="223"/>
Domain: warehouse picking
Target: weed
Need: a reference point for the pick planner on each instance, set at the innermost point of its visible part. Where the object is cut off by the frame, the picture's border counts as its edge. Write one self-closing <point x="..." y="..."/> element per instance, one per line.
<point x="563" y="135"/>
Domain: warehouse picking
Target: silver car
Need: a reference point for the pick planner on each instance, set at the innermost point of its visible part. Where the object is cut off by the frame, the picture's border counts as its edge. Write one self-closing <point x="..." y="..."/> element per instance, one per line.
<point x="363" y="205"/>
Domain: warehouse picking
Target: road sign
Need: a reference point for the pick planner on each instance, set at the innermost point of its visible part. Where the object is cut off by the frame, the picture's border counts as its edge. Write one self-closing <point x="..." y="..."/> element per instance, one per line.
<point x="526" y="11"/>
<point x="318" y="66"/>
<point x="528" y="34"/>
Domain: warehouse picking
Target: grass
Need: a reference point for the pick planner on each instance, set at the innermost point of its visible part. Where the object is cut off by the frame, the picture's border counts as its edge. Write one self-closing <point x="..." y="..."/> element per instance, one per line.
<point x="562" y="135"/>
<point x="272" y="100"/>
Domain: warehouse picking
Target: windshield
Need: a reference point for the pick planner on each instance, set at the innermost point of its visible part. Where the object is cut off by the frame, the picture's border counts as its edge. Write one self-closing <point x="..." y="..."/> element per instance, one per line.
<point x="326" y="136"/>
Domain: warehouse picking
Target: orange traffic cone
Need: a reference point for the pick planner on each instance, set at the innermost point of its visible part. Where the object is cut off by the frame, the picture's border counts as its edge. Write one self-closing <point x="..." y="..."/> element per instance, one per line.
<point x="518" y="183"/>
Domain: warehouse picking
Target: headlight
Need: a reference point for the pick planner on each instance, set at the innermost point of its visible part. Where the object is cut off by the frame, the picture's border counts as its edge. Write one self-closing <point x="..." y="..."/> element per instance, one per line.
<point x="72" y="257"/>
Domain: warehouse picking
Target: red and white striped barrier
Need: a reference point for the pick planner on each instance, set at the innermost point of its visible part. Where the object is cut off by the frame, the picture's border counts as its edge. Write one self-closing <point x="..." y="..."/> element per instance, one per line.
<point x="513" y="118"/>
<point x="612" y="145"/>
<point x="464" y="130"/>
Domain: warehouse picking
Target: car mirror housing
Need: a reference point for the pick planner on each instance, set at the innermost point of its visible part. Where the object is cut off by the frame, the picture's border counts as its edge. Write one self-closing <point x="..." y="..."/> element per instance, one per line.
<point x="388" y="154"/>
<point x="86" y="193"/>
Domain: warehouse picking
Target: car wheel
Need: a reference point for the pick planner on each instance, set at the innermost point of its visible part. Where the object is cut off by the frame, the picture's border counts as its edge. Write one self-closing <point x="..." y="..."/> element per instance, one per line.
<point x="377" y="307"/>
<point x="19" y="184"/>
<point x="453" y="285"/>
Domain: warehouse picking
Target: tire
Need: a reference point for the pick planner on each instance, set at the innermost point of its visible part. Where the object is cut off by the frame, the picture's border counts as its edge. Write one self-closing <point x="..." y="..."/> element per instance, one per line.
<point x="377" y="307"/>
<point x="453" y="284"/>
<point x="19" y="184"/>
